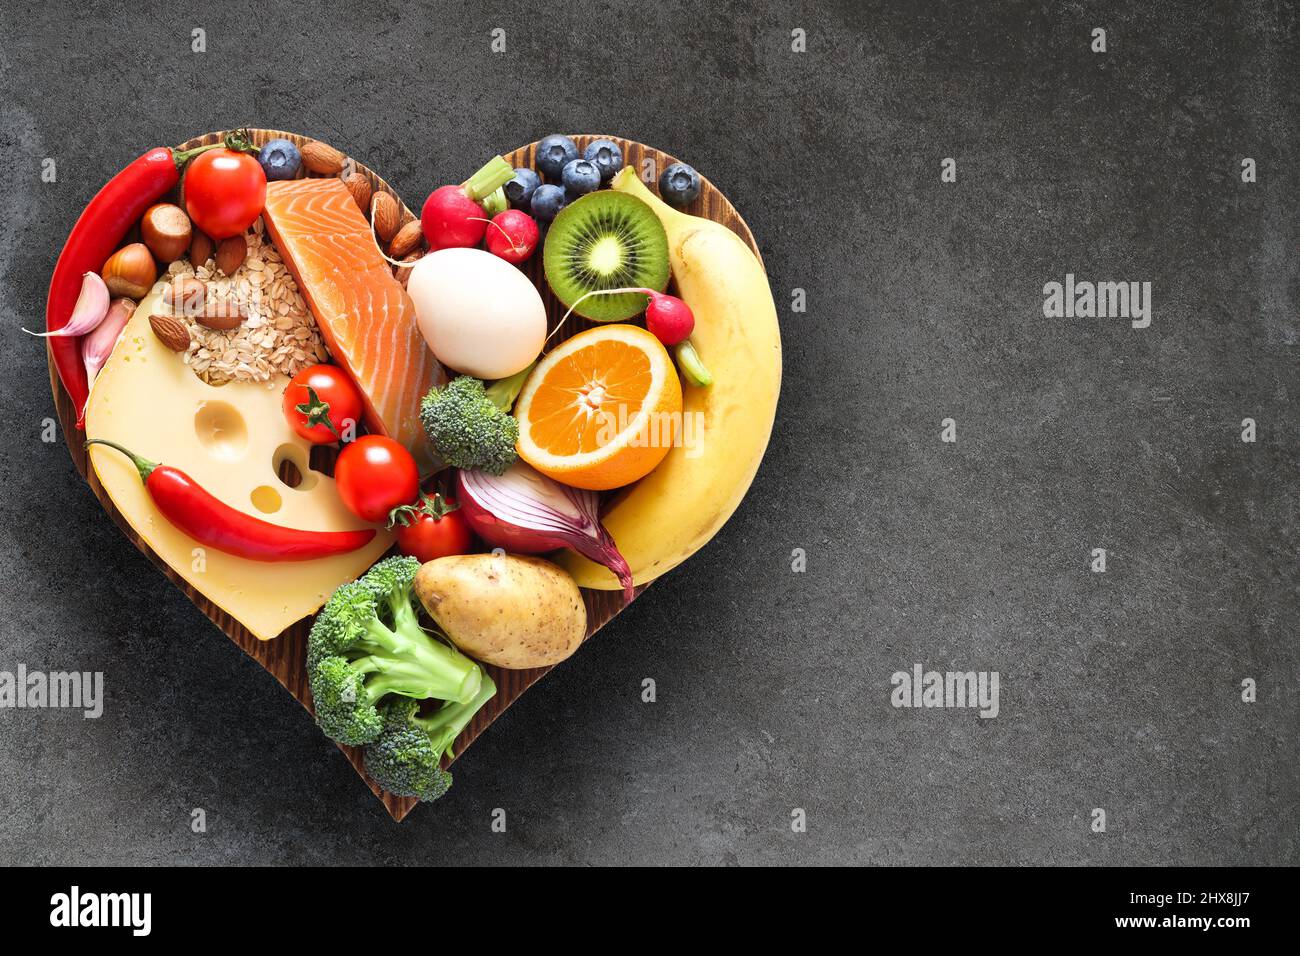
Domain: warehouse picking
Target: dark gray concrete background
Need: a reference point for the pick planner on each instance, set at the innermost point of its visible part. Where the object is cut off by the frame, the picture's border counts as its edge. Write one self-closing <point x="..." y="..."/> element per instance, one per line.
<point x="1119" y="690"/>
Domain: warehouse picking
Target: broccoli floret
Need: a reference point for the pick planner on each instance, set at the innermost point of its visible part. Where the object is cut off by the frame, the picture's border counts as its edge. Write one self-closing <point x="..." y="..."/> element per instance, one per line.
<point x="367" y="643"/>
<point x="345" y="708"/>
<point x="405" y="759"/>
<point x="468" y="429"/>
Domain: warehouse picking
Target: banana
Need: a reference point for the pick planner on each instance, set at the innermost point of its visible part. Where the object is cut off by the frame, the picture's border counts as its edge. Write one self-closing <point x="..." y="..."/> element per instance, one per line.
<point x="673" y="512"/>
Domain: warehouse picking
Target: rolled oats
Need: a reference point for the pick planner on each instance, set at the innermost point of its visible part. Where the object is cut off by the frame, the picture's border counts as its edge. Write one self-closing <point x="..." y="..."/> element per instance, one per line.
<point x="279" y="337"/>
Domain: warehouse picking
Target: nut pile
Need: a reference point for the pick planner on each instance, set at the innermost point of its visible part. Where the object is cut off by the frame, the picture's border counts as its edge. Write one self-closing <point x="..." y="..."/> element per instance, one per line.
<point x="277" y="334"/>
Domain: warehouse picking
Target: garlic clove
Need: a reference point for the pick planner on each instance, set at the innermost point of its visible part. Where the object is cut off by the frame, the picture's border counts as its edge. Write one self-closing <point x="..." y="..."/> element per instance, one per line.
<point x="89" y="312"/>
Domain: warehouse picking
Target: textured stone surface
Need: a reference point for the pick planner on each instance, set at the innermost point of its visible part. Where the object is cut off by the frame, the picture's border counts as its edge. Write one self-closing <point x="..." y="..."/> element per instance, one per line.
<point x="1119" y="690"/>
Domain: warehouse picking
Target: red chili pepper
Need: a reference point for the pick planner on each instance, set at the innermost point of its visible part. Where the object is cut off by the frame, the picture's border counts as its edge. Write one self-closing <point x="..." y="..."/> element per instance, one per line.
<point x="209" y="520"/>
<point x="98" y="232"/>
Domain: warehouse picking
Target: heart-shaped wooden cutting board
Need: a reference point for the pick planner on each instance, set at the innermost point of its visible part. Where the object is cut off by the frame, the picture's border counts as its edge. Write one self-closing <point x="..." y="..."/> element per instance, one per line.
<point x="285" y="655"/>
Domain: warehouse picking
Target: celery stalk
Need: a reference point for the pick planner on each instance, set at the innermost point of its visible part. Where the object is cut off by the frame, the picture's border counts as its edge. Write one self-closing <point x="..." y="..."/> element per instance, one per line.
<point x="496" y="172"/>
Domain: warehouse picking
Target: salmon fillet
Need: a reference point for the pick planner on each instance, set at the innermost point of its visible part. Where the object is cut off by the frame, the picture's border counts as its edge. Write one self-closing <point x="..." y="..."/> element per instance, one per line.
<point x="365" y="316"/>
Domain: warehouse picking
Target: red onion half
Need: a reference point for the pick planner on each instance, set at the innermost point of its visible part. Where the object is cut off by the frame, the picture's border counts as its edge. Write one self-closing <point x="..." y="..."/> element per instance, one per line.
<point x="525" y="512"/>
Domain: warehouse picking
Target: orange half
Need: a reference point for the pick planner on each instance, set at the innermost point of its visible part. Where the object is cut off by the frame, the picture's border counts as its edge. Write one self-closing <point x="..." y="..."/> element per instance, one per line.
<point x="601" y="409"/>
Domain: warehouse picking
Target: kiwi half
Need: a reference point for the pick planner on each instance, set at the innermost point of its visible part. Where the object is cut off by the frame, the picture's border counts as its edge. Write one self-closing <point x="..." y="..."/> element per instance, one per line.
<point x="606" y="240"/>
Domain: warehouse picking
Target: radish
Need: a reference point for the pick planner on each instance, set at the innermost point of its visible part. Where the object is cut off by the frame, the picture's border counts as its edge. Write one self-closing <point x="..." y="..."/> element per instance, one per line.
<point x="452" y="216"/>
<point x="513" y="236"/>
<point x="667" y="317"/>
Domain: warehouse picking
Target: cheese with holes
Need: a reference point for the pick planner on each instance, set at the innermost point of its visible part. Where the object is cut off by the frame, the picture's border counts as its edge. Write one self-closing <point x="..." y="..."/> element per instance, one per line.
<point x="231" y="439"/>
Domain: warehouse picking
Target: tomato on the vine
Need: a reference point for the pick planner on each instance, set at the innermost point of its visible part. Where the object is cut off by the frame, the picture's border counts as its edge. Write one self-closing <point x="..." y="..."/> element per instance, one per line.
<point x="322" y="405"/>
<point x="433" y="528"/>
<point x="374" y="475"/>
<point x="225" y="191"/>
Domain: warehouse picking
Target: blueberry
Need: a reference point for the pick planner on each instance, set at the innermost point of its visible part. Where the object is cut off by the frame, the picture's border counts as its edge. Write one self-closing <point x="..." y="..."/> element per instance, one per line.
<point x="280" y="159"/>
<point x="580" y="177"/>
<point x="679" y="185"/>
<point x="520" y="189"/>
<point x="552" y="153"/>
<point x="607" y="157"/>
<point x="547" y="202"/>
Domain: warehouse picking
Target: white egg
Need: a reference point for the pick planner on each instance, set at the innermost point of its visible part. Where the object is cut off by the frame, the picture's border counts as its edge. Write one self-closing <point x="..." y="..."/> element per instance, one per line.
<point x="479" y="314"/>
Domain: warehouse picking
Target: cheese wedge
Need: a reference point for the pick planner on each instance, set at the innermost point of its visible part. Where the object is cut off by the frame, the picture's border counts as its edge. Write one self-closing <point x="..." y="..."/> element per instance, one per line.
<point x="231" y="440"/>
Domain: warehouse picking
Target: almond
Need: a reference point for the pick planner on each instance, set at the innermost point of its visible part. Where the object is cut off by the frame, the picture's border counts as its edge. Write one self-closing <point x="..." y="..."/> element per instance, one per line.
<point x="221" y="314"/>
<point x="359" y="186"/>
<point x="201" y="249"/>
<point x="386" y="215"/>
<point x="231" y="253"/>
<point x="407" y="239"/>
<point x="403" y="272"/>
<point x="171" y="332"/>
<point x="321" y="158"/>
<point x="185" y="294"/>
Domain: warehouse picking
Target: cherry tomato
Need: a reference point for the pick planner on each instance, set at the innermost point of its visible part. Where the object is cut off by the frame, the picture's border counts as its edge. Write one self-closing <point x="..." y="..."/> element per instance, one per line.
<point x="374" y="475"/>
<point x="434" y="528"/>
<point x="322" y="405"/>
<point x="224" y="192"/>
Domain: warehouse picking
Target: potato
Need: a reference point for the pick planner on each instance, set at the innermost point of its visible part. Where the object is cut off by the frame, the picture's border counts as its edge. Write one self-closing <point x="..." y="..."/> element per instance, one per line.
<point x="512" y="611"/>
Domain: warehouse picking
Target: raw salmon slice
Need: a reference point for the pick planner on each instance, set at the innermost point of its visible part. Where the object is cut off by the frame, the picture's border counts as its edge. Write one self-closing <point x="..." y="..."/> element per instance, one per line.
<point x="364" y="314"/>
